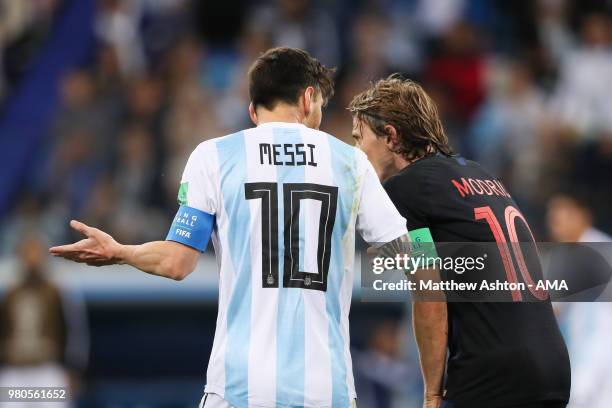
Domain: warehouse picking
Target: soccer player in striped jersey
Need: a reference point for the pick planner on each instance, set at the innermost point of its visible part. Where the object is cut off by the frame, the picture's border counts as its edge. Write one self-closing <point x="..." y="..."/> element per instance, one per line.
<point x="282" y="202"/>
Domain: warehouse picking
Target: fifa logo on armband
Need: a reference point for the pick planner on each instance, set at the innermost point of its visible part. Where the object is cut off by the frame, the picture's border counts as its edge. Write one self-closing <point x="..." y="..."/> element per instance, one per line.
<point x="183" y="233"/>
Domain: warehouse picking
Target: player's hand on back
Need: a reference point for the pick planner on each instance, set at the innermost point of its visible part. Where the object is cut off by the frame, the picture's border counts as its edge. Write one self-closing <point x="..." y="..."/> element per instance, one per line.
<point x="98" y="249"/>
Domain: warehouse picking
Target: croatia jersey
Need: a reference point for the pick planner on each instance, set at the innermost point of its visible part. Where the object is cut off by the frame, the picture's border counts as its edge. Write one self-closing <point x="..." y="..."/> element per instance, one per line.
<point x="283" y="202"/>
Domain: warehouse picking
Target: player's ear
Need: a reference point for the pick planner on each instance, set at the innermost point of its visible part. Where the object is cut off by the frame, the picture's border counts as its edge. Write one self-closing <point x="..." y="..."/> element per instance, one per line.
<point x="252" y="113"/>
<point x="309" y="95"/>
<point x="392" y="139"/>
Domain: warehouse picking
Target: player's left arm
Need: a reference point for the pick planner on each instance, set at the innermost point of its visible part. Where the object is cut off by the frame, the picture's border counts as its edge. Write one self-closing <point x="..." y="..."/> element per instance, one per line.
<point x="168" y="259"/>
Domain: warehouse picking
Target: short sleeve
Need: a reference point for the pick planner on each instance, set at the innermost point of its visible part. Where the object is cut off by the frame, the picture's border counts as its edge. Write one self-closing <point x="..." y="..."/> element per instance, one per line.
<point x="197" y="197"/>
<point x="198" y="188"/>
<point x="378" y="221"/>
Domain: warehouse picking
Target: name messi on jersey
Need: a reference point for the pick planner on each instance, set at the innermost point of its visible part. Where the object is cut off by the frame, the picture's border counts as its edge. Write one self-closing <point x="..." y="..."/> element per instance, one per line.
<point x="287" y="154"/>
<point x="474" y="186"/>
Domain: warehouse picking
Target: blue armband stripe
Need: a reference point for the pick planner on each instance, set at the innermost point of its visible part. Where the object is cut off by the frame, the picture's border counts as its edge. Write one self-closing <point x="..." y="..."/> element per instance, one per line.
<point x="191" y="227"/>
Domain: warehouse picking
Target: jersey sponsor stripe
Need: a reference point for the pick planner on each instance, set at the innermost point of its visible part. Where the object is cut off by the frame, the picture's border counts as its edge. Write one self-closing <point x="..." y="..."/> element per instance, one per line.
<point x="290" y="331"/>
<point x="233" y="174"/>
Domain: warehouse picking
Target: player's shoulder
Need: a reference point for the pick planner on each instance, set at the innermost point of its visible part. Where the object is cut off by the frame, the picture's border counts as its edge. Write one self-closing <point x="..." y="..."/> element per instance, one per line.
<point x="413" y="172"/>
<point x="334" y="142"/>
<point x="341" y="149"/>
<point x="213" y="144"/>
<point x="432" y="175"/>
<point x="433" y="166"/>
<point x="424" y="173"/>
<point x="340" y="153"/>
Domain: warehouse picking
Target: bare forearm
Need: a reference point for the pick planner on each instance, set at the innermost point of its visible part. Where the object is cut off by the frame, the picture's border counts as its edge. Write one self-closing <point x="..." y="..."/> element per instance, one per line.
<point x="162" y="258"/>
<point x="156" y="258"/>
<point x="431" y="329"/>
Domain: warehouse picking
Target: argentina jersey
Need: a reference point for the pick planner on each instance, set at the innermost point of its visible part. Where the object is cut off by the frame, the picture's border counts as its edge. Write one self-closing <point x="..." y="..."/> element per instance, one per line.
<point x="283" y="202"/>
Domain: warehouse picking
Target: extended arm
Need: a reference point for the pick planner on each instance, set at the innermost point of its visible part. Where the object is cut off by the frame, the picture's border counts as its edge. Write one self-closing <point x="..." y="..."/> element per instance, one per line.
<point x="162" y="258"/>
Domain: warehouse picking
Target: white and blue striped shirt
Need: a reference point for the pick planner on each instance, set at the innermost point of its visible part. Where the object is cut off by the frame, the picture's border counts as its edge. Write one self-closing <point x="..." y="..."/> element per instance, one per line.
<point x="287" y="200"/>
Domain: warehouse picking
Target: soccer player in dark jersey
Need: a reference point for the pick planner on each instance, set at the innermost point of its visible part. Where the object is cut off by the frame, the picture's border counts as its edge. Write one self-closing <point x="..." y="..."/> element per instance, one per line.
<point x="500" y="354"/>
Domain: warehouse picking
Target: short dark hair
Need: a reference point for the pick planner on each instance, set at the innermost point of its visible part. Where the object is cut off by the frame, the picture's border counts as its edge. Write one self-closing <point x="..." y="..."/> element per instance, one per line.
<point x="281" y="74"/>
<point x="405" y="105"/>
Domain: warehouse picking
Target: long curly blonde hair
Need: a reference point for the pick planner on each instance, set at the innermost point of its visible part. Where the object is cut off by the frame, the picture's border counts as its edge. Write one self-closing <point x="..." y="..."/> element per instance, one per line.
<point x="403" y="104"/>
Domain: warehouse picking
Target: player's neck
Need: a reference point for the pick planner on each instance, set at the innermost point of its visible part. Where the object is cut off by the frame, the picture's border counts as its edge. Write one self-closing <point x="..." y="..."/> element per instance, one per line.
<point x="281" y="113"/>
<point x="387" y="169"/>
<point x="395" y="162"/>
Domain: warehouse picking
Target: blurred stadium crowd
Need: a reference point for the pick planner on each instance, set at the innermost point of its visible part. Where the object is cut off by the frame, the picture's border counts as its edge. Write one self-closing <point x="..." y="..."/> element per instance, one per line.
<point x="523" y="87"/>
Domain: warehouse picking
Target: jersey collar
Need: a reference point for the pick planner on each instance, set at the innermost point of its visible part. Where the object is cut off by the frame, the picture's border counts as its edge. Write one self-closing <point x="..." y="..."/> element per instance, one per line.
<point x="281" y="124"/>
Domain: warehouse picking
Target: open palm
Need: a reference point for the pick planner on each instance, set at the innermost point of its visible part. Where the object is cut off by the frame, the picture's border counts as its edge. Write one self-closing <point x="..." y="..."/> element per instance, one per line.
<point x="97" y="249"/>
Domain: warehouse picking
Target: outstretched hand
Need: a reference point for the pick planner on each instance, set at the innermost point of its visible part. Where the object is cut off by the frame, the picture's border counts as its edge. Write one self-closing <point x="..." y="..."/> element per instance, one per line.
<point x="98" y="249"/>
